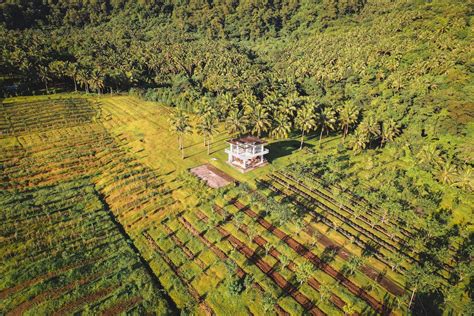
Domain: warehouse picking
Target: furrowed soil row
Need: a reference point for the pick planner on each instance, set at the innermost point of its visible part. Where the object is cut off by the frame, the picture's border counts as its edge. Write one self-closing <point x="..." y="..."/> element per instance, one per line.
<point x="323" y="219"/>
<point x="260" y="241"/>
<point x="345" y="254"/>
<point x="304" y="252"/>
<point x="223" y="257"/>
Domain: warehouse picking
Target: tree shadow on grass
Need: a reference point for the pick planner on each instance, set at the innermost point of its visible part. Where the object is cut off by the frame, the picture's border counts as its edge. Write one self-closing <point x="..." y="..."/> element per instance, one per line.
<point x="283" y="148"/>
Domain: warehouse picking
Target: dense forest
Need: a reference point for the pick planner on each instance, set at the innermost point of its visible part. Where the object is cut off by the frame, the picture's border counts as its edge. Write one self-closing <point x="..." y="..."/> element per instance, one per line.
<point x="394" y="78"/>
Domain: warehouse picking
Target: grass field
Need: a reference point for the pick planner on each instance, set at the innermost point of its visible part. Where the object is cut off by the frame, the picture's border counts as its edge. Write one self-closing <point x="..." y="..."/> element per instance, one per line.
<point x="100" y="216"/>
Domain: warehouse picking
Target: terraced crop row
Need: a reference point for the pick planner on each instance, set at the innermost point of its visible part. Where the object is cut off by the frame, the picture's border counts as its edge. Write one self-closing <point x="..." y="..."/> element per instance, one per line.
<point x="64" y="246"/>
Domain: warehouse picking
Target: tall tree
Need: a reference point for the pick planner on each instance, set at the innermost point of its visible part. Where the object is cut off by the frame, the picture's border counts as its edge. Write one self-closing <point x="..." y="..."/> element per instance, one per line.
<point x="390" y="130"/>
<point x="326" y="121"/>
<point x="260" y="120"/>
<point x="236" y="122"/>
<point x="305" y="120"/>
<point x="282" y="126"/>
<point x="45" y="76"/>
<point x="96" y="81"/>
<point x="179" y="124"/>
<point x="227" y="103"/>
<point x="207" y="128"/>
<point x="348" y="116"/>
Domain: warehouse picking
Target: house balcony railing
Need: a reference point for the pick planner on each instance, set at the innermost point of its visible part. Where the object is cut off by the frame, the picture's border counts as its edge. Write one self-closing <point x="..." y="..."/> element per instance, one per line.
<point x="246" y="155"/>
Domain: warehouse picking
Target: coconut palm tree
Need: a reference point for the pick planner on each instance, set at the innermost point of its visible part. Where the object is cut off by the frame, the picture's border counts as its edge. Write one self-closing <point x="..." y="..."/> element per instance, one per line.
<point x="72" y="72"/>
<point x="429" y="154"/>
<point x="236" y="122"/>
<point x="288" y="105"/>
<point x="305" y="120"/>
<point x="465" y="179"/>
<point x="207" y="127"/>
<point x="324" y="291"/>
<point x="446" y="172"/>
<point x="349" y="308"/>
<point x="203" y="107"/>
<point x="260" y="119"/>
<point x="179" y="125"/>
<point x="249" y="102"/>
<point x="96" y="81"/>
<point x="348" y="116"/>
<point x="360" y="140"/>
<point x="282" y="126"/>
<point x="45" y="76"/>
<point x="326" y="121"/>
<point x="83" y="79"/>
<point x="227" y="103"/>
<point x="390" y="130"/>
<point x="370" y="126"/>
<point x="419" y="278"/>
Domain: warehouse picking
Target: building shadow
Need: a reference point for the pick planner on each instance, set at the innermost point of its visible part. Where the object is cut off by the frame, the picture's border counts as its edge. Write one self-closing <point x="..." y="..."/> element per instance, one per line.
<point x="283" y="148"/>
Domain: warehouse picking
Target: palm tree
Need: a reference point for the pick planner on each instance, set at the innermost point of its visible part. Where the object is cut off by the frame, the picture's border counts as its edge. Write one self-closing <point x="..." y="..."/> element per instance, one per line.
<point x="96" y="81"/>
<point x="360" y="140"/>
<point x="349" y="307"/>
<point x="207" y="127"/>
<point x="282" y="126"/>
<point x="429" y="154"/>
<point x="44" y="74"/>
<point x="72" y="72"/>
<point x="348" y="116"/>
<point x="249" y="102"/>
<point x="305" y="120"/>
<point x="370" y="126"/>
<point x="447" y="172"/>
<point x="236" y="122"/>
<point x="82" y="79"/>
<point x="326" y="121"/>
<point x="324" y="292"/>
<point x="288" y="106"/>
<point x="465" y="179"/>
<point x="284" y="261"/>
<point x="390" y="130"/>
<point x="419" y="278"/>
<point x="179" y="124"/>
<point x="260" y="119"/>
<point x="227" y="103"/>
<point x="203" y="107"/>
<point x="268" y="301"/>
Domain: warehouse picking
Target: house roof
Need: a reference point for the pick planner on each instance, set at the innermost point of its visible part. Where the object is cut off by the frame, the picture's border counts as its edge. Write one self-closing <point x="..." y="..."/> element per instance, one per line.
<point x="247" y="140"/>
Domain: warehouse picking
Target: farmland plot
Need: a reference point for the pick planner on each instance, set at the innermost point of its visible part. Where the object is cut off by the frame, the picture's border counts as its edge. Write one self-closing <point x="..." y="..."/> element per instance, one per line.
<point x="63" y="243"/>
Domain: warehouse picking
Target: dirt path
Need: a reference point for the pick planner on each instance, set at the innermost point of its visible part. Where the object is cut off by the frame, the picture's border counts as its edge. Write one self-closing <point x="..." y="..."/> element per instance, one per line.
<point x="221" y="255"/>
<point x="304" y="252"/>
